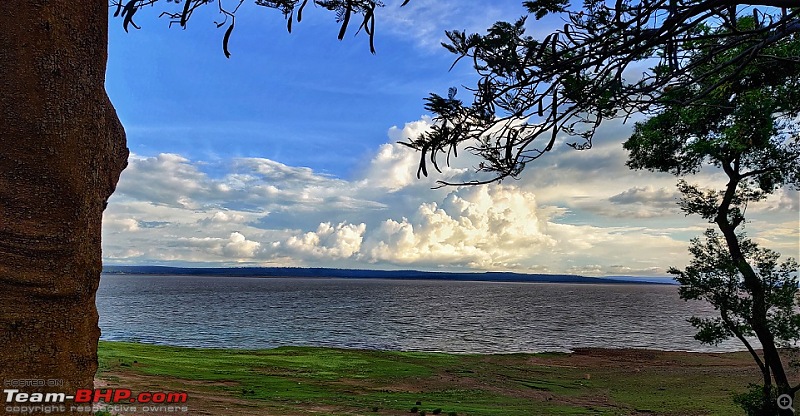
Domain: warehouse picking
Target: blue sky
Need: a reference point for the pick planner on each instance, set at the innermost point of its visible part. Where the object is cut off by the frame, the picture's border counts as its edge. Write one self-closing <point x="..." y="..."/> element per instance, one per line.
<point x="285" y="154"/>
<point x="288" y="97"/>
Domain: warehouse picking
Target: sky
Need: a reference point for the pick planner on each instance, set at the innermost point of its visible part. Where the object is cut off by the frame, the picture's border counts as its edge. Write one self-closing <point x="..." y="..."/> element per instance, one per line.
<point x="287" y="154"/>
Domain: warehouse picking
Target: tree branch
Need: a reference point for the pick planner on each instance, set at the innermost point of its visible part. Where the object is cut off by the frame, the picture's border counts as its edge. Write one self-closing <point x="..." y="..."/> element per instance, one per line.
<point x="738" y="334"/>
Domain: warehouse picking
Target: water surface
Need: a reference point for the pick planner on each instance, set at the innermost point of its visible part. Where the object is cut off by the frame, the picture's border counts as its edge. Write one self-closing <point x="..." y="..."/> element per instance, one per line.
<point x="449" y="316"/>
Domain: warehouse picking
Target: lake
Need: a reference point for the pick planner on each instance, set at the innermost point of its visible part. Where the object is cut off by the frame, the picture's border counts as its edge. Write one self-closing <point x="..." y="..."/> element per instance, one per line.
<point x="448" y="316"/>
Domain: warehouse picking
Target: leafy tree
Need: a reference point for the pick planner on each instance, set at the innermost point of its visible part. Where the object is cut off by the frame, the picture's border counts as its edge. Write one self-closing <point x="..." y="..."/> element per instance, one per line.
<point x="713" y="276"/>
<point x="747" y="126"/>
<point x="62" y="149"/>
<point x="722" y="85"/>
<point x="593" y="69"/>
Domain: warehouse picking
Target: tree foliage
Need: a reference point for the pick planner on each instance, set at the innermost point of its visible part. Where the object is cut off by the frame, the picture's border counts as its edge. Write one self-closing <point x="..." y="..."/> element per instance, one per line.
<point x="712" y="276"/>
<point x="610" y="60"/>
<point x="180" y="11"/>
<point x="744" y="121"/>
<point x="750" y="118"/>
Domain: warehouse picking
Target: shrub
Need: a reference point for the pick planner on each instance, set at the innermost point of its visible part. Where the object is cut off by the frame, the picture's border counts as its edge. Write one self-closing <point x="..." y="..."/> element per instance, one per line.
<point x="752" y="401"/>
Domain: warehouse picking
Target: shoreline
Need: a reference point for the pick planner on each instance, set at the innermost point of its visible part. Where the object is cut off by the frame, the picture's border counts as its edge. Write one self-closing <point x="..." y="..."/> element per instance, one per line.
<point x="411" y="275"/>
<point x="363" y="349"/>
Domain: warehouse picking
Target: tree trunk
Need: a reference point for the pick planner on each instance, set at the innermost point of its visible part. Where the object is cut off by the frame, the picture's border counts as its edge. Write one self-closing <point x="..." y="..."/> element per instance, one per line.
<point x="759" y="318"/>
<point x="62" y="149"/>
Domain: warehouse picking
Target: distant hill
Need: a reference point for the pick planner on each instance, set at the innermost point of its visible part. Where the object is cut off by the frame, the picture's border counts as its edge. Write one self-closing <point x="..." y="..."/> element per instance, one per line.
<point x="358" y="274"/>
<point x="649" y="279"/>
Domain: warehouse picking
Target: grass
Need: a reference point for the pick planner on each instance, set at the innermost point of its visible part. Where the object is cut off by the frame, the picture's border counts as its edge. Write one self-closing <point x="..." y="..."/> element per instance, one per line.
<point x="326" y="381"/>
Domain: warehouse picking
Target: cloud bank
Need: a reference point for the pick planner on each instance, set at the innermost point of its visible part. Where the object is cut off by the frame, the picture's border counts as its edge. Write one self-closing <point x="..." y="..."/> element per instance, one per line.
<point x="576" y="212"/>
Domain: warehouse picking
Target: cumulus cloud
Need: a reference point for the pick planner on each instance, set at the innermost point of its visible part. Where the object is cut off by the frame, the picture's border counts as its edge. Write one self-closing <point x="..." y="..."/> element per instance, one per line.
<point x="575" y="212"/>
<point x="782" y="200"/>
<point x="477" y="227"/>
<point x="501" y="227"/>
<point x="395" y="166"/>
<point x="239" y="247"/>
<point x="328" y="241"/>
<point x="235" y="247"/>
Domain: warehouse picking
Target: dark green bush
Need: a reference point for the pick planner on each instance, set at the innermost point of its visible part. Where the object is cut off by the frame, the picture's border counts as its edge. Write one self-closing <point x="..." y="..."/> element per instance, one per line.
<point x="752" y="401"/>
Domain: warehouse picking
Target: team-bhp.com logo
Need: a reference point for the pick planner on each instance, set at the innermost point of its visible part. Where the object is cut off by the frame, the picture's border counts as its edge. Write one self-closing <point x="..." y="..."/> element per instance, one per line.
<point x="84" y="400"/>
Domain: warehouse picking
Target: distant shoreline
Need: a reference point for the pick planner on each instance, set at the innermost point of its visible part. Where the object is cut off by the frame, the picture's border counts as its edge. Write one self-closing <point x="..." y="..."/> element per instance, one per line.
<point x="299" y="272"/>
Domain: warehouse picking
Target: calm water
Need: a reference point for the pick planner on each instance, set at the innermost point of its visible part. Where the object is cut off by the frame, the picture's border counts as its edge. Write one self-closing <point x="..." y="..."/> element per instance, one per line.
<point x="396" y="315"/>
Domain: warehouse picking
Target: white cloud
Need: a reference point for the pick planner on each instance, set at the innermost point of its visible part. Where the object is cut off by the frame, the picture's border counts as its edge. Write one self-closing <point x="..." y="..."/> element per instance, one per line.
<point x="179" y="181"/>
<point x="569" y="212"/>
<point x="332" y="242"/>
<point x="239" y="247"/>
<point x="478" y="227"/>
<point x="610" y="250"/>
<point x="223" y="217"/>
<point x="425" y="21"/>
<point x="395" y="166"/>
<point x="643" y="202"/>
<point x="645" y="195"/>
<point x="236" y="247"/>
<point x="118" y="225"/>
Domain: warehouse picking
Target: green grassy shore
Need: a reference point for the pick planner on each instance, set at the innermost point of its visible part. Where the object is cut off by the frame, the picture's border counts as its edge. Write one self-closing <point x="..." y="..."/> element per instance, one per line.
<point x="327" y="381"/>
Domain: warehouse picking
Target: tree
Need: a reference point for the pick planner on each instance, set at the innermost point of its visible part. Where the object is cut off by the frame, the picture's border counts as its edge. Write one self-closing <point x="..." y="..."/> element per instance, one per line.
<point x="747" y="126"/>
<point x="62" y="149"/>
<point x="61" y="153"/>
<point x="531" y="90"/>
<point x="714" y="277"/>
<point x="722" y="85"/>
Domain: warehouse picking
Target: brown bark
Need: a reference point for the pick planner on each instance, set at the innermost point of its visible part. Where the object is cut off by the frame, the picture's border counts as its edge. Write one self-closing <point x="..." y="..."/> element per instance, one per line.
<point x="62" y="149"/>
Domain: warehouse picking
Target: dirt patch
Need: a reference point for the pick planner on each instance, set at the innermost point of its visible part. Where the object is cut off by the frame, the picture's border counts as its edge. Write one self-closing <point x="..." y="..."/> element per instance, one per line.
<point x="204" y="397"/>
<point x="599" y="357"/>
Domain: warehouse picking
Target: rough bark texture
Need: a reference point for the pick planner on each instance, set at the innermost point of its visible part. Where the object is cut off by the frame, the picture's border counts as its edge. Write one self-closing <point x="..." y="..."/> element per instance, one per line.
<point x="62" y="149"/>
